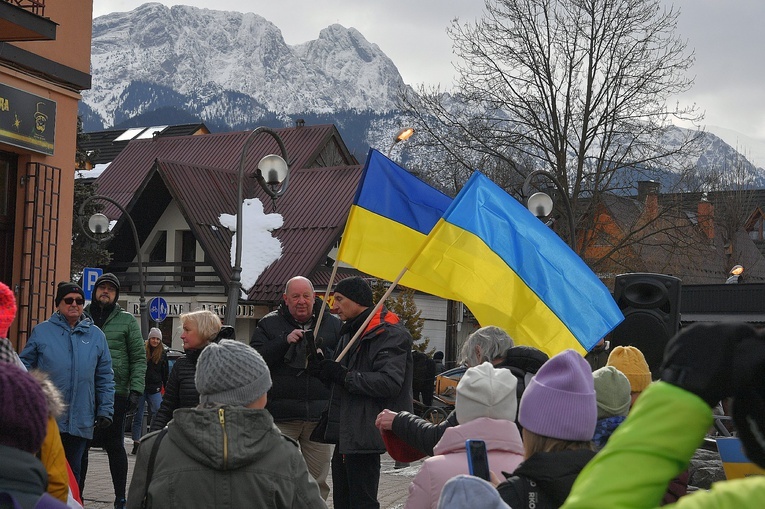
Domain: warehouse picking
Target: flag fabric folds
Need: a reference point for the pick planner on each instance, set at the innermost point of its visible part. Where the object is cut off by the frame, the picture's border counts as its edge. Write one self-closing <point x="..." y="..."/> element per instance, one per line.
<point x="392" y="213"/>
<point x="512" y="271"/>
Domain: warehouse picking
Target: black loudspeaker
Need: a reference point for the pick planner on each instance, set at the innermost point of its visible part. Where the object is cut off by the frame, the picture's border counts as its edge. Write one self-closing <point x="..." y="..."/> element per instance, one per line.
<point x="651" y="307"/>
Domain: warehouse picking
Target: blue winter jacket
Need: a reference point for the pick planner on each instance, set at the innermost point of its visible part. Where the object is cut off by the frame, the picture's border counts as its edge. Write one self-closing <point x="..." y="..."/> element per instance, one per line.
<point x="78" y="362"/>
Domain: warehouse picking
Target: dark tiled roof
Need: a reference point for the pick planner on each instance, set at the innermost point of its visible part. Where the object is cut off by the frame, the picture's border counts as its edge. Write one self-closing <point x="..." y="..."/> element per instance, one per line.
<point x="675" y="245"/>
<point x="126" y="173"/>
<point x="203" y="182"/>
<point x="102" y="148"/>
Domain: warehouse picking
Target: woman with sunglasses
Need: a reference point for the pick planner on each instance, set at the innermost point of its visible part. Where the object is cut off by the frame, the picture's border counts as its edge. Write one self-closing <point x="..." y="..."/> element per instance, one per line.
<point x="75" y="355"/>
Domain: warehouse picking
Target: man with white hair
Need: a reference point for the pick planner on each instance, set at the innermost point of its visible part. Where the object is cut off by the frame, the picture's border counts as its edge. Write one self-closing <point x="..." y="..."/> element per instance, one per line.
<point x="296" y="400"/>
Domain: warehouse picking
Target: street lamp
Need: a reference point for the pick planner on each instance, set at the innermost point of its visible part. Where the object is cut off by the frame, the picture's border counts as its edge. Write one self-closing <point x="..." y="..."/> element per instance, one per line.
<point x="277" y="173"/>
<point x="403" y="135"/>
<point x="541" y="205"/>
<point x="99" y="224"/>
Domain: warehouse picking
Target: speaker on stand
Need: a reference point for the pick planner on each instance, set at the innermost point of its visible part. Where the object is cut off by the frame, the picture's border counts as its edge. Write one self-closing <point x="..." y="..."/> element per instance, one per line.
<point x="651" y="307"/>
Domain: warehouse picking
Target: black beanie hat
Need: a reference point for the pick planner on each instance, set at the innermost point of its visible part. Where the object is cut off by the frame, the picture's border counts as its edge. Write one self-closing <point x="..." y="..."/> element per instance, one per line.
<point x="65" y="288"/>
<point x="108" y="278"/>
<point x="357" y="290"/>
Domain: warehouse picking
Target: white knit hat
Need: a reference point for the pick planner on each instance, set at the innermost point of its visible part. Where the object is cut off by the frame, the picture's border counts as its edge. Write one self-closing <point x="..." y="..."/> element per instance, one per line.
<point x="231" y="373"/>
<point x="484" y="391"/>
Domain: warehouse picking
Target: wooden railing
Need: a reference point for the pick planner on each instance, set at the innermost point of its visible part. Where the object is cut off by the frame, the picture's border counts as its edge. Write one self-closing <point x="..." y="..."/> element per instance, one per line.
<point x="34" y="6"/>
<point x="175" y="277"/>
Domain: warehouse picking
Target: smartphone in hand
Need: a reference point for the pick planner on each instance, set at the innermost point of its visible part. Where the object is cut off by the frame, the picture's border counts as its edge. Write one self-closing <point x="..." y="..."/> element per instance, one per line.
<point x="478" y="460"/>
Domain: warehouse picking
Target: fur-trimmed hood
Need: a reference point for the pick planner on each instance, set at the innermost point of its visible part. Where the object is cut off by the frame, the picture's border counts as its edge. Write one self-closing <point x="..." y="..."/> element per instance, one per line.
<point x="56" y="403"/>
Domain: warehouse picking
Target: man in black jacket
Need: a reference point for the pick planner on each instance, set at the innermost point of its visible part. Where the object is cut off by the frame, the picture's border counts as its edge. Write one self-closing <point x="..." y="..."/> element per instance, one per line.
<point x="376" y="373"/>
<point x="296" y="399"/>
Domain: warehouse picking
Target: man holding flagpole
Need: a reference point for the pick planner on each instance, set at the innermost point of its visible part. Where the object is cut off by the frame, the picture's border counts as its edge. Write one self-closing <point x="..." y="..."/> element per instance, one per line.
<point x="373" y="374"/>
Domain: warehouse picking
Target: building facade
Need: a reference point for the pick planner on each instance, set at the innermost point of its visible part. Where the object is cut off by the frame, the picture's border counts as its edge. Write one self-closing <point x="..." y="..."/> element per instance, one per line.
<point x="44" y="66"/>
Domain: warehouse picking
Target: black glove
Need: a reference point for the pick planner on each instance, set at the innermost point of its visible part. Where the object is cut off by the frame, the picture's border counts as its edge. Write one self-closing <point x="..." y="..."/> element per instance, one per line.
<point x="132" y="405"/>
<point x="103" y="422"/>
<point x="700" y="359"/>
<point x="328" y="371"/>
<point x="314" y="366"/>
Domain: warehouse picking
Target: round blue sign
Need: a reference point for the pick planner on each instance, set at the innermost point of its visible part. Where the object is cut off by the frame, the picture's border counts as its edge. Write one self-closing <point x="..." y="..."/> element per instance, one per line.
<point x="158" y="309"/>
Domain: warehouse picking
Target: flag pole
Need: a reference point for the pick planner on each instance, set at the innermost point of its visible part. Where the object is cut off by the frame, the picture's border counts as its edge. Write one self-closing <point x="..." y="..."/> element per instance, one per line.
<point x="371" y="315"/>
<point x="326" y="295"/>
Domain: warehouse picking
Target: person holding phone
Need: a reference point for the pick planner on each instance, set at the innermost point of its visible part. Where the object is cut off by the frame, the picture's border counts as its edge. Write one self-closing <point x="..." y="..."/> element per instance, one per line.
<point x="478" y="459"/>
<point x="486" y="405"/>
<point x="296" y="399"/>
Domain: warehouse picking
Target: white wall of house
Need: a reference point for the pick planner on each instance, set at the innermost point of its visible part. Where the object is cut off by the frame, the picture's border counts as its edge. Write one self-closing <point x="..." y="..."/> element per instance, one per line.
<point x="174" y="223"/>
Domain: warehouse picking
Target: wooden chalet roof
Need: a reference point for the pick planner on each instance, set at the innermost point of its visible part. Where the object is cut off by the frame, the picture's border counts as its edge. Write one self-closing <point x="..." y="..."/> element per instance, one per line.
<point x="306" y="146"/>
<point x="314" y="208"/>
<point x="102" y="147"/>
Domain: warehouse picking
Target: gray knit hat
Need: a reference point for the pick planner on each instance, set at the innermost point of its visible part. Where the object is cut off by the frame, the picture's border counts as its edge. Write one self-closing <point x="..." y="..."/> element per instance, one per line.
<point x="612" y="392"/>
<point x="231" y="373"/>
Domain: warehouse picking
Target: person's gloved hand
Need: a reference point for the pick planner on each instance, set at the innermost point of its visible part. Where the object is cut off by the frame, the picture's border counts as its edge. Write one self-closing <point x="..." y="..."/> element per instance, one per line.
<point x="132" y="405"/>
<point x="700" y="359"/>
<point x="328" y="371"/>
<point x="103" y="422"/>
<point x="749" y="396"/>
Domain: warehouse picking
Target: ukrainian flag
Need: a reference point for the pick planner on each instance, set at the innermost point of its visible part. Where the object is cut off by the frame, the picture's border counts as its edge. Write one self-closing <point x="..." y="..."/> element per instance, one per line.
<point x="512" y="271"/>
<point x="392" y="213"/>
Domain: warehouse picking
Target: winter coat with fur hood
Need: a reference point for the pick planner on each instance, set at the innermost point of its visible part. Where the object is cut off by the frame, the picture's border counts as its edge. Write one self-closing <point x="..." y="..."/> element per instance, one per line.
<point x="52" y="451"/>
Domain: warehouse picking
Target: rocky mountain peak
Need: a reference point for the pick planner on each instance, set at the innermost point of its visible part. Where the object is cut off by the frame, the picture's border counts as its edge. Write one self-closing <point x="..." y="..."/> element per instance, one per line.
<point x="190" y="50"/>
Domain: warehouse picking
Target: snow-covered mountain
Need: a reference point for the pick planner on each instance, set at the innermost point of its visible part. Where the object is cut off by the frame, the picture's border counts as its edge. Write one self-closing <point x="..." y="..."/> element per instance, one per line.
<point x="158" y="65"/>
<point x="217" y="63"/>
<point x="751" y="148"/>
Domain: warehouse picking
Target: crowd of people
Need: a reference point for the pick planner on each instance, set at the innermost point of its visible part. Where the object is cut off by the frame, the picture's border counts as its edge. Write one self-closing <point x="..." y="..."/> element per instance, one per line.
<point x="321" y="390"/>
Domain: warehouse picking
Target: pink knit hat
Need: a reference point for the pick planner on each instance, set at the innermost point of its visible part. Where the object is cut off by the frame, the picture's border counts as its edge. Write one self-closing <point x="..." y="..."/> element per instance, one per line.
<point x="7" y="309"/>
<point x="559" y="402"/>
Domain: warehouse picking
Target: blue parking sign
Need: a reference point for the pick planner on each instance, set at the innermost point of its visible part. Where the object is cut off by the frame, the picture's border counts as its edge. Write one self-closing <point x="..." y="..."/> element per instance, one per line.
<point x="89" y="276"/>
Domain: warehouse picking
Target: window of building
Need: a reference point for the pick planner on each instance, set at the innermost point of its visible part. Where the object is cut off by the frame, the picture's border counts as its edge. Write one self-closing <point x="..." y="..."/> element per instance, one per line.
<point x="158" y="253"/>
<point x="188" y="255"/>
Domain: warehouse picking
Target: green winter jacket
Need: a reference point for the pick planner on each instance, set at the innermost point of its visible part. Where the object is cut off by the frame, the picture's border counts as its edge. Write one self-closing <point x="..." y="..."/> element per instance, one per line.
<point x="123" y="334"/>
<point x="227" y="457"/>
<point x="651" y="447"/>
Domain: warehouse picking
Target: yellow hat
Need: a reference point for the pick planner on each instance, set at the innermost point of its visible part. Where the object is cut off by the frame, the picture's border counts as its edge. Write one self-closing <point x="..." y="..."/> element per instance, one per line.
<point x="630" y="361"/>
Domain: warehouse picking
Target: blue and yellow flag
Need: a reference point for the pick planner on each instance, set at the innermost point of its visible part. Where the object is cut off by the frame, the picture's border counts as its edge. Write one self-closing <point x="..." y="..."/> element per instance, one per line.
<point x="512" y="271"/>
<point x="392" y="213"/>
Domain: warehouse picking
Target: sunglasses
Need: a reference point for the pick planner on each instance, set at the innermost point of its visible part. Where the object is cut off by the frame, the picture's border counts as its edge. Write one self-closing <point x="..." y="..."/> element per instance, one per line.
<point x="70" y="300"/>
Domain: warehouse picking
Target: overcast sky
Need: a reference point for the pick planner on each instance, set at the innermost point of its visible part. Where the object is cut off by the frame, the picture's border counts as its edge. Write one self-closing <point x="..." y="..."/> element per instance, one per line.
<point x="727" y="36"/>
